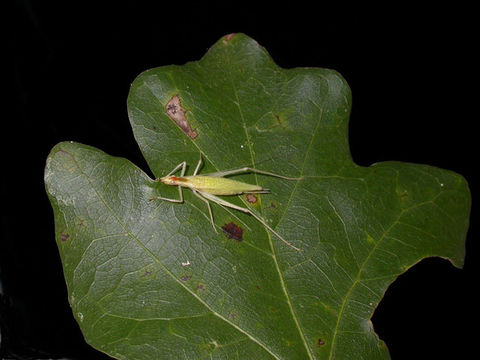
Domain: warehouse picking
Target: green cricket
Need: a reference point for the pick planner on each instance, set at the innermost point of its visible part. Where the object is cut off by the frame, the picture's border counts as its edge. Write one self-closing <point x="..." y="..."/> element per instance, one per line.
<point x="208" y="187"/>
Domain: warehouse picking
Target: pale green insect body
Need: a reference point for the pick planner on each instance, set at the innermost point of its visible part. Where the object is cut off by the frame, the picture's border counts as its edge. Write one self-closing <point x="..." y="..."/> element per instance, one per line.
<point x="213" y="185"/>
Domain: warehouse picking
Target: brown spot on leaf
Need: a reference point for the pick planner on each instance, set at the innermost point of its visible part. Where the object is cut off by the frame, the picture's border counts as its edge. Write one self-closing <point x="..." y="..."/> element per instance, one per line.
<point x="176" y="113"/>
<point x="320" y="342"/>
<point x="252" y="199"/>
<point x="185" y="277"/>
<point x="233" y="231"/>
<point x="200" y="287"/>
<point x="228" y="37"/>
<point x="64" y="237"/>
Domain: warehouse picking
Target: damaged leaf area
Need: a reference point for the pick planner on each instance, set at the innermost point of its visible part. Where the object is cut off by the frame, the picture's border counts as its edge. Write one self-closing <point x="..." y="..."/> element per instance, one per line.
<point x="153" y="280"/>
<point x="233" y="231"/>
<point x="176" y="113"/>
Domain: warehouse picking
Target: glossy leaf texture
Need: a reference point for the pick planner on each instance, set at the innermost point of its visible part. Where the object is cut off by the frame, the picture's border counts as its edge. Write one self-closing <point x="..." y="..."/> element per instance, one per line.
<point x="152" y="279"/>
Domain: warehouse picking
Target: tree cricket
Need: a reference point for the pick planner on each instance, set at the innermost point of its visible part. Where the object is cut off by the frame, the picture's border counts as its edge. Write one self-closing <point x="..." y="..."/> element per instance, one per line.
<point x="208" y="186"/>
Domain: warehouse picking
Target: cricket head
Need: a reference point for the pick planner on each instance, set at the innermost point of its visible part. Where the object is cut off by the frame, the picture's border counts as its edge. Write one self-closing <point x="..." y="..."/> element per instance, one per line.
<point x="172" y="180"/>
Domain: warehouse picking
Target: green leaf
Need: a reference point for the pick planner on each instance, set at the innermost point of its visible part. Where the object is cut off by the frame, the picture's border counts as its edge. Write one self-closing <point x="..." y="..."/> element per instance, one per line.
<point x="152" y="280"/>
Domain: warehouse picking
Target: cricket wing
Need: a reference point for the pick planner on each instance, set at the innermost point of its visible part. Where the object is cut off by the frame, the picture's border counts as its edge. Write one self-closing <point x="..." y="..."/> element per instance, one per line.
<point x="221" y="186"/>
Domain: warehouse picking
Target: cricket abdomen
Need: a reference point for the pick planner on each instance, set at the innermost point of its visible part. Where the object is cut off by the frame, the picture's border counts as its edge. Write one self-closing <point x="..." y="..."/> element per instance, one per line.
<point x="219" y="185"/>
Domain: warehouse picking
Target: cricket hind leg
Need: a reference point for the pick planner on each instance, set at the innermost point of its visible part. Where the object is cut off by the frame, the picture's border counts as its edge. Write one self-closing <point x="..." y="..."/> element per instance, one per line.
<point x="249" y="169"/>
<point x="220" y="201"/>
<point x="209" y="208"/>
<point x="210" y="212"/>
<point x="263" y="191"/>
<point x="271" y="230"/>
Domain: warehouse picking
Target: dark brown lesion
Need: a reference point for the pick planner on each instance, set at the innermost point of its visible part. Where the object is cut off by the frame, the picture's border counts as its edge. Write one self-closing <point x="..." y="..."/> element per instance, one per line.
<point x="233" y="231"/>
<point x="64" y="237"/>
<point x="176" y="113"/>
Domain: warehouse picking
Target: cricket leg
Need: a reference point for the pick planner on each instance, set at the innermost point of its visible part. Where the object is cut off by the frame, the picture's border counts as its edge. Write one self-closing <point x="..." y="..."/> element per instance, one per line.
<point x="248" y="169"/>
<point x="208" y="206"/>
<point x="220" y="201"/>
<point x="180" y="193"/>
<point x="182" y="165"/>
<point x="198" y="166"/>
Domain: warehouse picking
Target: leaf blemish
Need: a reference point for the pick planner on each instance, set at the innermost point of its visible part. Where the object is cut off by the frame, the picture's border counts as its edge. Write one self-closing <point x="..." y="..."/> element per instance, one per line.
<point x="200" y="287"/>
<point x="228" y="37"/>
<point x="272" y="205"/>
<point x="185" y="278"/>
<point x="233" y="231"/>
<point x="64" y="237"/>
<point x="279" y="120"/>
<point x="252" y="199"/>
<point x="320" y="342"/>
<point x="176" y="113"/>
<point x="147" y="273"/>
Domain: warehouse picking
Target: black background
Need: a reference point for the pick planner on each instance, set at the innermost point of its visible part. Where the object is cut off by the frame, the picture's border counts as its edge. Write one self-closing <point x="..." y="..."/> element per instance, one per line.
<point x="67" y="77"/>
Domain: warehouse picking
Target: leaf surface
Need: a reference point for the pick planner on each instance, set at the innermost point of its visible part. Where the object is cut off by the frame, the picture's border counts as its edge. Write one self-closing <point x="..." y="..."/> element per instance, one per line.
<point x="152" y="279"/>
